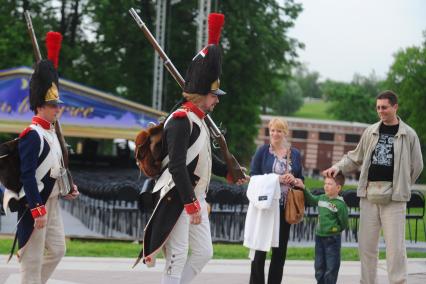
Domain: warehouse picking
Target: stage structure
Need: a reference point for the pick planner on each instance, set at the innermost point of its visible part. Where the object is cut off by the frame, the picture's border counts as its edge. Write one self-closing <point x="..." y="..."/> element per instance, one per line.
<point x="87" y="112"/>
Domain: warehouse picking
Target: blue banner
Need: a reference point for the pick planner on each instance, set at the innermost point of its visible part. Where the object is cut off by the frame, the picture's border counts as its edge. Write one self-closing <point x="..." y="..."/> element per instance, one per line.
<point x="82" y="107"/>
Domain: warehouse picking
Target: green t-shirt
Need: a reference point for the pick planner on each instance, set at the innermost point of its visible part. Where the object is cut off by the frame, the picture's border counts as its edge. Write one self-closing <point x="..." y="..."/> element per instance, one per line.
<point x="332" y="213"/>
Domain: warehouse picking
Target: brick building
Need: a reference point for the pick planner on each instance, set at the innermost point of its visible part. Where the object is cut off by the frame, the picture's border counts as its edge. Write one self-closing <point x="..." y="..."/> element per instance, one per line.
<point x="321" y="142"/>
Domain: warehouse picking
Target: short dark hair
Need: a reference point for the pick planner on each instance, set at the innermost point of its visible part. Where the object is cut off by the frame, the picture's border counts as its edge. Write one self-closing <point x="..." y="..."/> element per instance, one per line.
<point x="339" y="179"/>
<point x="391" y="96"/>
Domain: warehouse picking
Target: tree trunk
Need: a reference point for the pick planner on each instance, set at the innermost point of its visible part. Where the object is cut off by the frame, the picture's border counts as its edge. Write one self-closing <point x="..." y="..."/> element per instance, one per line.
<point x="74" y="23"/>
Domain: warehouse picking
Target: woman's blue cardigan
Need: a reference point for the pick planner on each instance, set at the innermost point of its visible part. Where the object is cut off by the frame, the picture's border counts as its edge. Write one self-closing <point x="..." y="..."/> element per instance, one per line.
<point x="263" y="162"/>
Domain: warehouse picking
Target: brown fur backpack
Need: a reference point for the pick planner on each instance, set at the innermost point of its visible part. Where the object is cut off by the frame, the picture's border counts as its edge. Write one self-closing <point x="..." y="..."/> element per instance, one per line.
<point x="148" y="150"/>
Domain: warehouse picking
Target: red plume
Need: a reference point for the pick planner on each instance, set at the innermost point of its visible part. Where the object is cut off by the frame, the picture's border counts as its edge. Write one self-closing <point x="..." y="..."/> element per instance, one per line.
<point x="216" y="22"/>
<point x="53" y="46"/>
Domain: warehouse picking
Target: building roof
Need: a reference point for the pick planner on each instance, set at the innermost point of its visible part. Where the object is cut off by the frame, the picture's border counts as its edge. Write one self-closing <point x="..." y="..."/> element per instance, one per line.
<point x="318" y="121"/>
<point x="87" y="112"/>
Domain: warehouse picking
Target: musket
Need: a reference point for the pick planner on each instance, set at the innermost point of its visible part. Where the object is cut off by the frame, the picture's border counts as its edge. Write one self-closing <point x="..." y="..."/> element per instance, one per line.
<point x="58" y="128"/>
<point x="33" y="38"/>
<point x="233" y="166"/>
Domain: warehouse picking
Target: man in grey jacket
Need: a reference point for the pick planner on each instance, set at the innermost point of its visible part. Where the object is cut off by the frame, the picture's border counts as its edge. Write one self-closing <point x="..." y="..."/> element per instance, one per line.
<point x="390" y="160"/>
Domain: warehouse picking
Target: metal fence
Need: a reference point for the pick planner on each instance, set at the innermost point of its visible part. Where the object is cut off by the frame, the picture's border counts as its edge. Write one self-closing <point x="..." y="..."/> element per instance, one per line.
<point x="123" y="219"/>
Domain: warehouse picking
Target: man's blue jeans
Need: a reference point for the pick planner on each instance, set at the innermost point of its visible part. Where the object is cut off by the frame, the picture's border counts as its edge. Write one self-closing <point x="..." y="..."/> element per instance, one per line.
<point x="327" y="259"/>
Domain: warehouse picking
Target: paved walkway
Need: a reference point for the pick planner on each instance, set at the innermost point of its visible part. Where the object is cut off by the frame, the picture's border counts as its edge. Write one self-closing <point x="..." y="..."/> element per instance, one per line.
<point x="90" y="270"/>
<point x="87" y="270"/>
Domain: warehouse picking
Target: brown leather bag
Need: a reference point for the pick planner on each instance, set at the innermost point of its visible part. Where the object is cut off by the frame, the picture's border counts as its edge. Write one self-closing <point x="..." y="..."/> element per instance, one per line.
<point x="294" y="209"/>
<point x="294" y="206"/>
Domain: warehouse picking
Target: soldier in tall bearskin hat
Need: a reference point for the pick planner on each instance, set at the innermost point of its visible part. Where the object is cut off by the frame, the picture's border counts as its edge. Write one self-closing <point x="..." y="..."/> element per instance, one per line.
<point x="180" y="219"/>
<point x="40" y="232"/>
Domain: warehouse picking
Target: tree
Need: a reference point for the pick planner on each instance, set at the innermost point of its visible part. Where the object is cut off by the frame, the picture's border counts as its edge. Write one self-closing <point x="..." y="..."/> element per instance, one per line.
<point x="353" y="101"/>
<point x="104" y="48"/>
<point x="15" y="45"/>
<point x="407" y="77"/>
<point x="256" y="48"/>
<point x="290" y="98"/>
<point x="308" y="82"/>
<point x="116" y="57"/>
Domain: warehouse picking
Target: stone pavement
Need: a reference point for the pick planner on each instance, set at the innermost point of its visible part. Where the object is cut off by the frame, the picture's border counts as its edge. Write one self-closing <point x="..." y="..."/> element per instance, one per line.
<point x="91" y="270"/>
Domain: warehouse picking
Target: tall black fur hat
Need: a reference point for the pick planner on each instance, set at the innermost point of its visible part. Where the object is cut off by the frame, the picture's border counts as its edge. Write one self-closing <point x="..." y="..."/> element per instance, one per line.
<point x="202" y="76"/>
<point x="44" y="85"/>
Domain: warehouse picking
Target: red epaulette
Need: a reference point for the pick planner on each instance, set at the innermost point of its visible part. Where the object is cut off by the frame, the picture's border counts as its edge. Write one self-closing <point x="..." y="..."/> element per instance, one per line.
<point x="25" y="132"/>
<point x="180" y="114"/>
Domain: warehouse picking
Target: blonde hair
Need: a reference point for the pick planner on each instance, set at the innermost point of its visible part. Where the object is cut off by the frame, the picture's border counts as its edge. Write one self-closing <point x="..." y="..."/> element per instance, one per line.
<point x="279" y="123"/>
<point x="193" y="98"/>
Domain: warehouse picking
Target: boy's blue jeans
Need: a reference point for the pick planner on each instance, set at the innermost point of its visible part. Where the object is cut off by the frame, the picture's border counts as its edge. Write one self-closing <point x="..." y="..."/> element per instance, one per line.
<point x="327" y="258"/>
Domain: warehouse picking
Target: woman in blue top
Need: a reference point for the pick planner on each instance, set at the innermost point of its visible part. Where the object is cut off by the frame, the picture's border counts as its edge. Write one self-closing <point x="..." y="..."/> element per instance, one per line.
<point x="273" y="158"/>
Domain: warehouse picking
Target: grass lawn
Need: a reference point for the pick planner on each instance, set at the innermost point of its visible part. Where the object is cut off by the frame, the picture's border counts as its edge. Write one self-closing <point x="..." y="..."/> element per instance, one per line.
<point x="420" y="229"/>
<point x="317" y="109"/>
<point x="221" y="251"/>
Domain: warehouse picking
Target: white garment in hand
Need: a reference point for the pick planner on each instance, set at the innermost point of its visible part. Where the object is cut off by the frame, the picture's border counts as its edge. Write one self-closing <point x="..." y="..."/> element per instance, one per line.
<point x="263" y="189"/>
<point x="262" y="225"/>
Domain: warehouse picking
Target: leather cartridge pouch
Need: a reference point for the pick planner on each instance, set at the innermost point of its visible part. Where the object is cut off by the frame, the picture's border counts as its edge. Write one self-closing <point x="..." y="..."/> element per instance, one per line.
<point x="379" y="192"/>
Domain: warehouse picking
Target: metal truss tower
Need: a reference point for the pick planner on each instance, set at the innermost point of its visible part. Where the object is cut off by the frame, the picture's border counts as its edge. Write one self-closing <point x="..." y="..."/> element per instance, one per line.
<point x="204" y="7"/>
<point x="160" y="33"/>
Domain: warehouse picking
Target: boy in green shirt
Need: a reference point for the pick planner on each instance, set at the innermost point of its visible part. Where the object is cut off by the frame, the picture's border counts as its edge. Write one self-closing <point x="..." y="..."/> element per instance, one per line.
<point x="332" y="220"/>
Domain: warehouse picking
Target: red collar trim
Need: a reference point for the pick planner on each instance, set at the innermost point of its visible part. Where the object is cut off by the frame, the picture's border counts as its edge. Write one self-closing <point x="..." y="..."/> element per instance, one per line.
<point x="42" y="122"/>
<point x="190" y="106"/>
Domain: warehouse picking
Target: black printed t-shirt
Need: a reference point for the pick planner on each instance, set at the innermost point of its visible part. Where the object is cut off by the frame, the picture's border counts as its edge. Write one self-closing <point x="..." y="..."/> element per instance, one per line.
<point x="382" y="158"/>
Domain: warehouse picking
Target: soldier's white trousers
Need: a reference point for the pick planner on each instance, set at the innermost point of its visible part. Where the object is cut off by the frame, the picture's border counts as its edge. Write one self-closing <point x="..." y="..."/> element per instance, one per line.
<point x="188" y="238"/>
<point x="45" y="248"/>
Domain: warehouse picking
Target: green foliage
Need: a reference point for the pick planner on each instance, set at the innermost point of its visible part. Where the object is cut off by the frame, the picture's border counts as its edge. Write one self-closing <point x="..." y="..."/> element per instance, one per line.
<point x="115" y="56"/>
<point x="407" y="77"/>
<point x="15" y="46"/>
<point x="289" y="100"/>
<point x="353" y="101"/>
<point x="308" y="82"/>
<point x="104" y="48"/>
<point x="256" y="50"/>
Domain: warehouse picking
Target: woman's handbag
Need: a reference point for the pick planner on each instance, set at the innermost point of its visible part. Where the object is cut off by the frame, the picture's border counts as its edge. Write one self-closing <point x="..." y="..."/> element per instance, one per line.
<point x="294" y="206"/>
<point x="294" y="209"/>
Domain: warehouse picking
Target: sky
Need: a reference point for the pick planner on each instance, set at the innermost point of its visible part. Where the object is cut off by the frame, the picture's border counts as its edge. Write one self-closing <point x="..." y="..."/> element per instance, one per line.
<point x="344" y="37"/>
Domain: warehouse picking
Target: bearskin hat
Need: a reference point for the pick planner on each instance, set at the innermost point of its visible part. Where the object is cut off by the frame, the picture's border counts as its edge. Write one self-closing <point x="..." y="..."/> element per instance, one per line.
<point x="43" y="85"/>
<point x="203" y="71"/>
<point x="202" y="75"/>
<point x="44" y="81"/>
